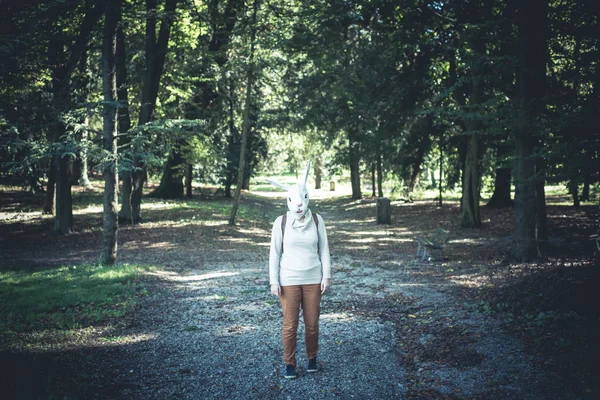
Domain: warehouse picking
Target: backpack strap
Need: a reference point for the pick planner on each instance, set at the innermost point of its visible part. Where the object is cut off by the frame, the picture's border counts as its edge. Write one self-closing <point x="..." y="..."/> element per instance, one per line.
<point x="283" y="222"/>
<point x="317" y="225"/>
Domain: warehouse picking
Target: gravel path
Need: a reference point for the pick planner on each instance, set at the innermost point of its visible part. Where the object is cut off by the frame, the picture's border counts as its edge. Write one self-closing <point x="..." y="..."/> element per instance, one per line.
<point x="210" y="329"/>
<point x="217" y="336"/>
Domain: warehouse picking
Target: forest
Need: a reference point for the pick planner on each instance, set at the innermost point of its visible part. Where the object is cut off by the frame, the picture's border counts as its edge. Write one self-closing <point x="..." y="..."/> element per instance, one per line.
<point x="125" y="122"/>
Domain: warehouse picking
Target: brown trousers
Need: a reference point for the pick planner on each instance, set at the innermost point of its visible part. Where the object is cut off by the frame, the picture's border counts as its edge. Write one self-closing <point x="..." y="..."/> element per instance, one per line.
<point x="292" y="297"/>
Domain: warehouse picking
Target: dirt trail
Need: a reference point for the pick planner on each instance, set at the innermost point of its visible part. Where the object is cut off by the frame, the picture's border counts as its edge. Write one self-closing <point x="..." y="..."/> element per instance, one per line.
<point x="211" y="330"/>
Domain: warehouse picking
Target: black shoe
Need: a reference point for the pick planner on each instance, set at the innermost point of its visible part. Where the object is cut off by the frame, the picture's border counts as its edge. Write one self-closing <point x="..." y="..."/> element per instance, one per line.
<point x="312" y="365"/>
<point x="290" y="372"/>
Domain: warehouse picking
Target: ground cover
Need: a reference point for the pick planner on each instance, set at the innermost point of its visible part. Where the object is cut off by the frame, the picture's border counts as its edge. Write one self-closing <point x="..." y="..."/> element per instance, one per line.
<point x="470" y="326"/>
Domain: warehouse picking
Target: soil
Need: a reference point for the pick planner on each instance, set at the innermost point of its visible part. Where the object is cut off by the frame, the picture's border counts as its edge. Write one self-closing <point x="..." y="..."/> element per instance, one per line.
<point x="465" y="326"/>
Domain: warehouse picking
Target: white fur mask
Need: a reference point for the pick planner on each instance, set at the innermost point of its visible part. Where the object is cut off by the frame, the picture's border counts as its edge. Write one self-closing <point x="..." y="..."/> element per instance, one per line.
<point x="297" y="200"/>
<point x="297" y="196"/>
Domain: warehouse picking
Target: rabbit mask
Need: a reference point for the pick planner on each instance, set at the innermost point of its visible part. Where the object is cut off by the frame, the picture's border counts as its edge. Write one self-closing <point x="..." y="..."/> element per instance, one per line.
<point x="297" y="200"/>
<point x="297" y="196"/>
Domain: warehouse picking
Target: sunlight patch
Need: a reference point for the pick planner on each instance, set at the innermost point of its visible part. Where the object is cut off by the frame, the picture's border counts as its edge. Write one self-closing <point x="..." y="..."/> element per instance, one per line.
<point x="158" y="206"/>
<point x="238" y="329"/>
<point x="160" y="245"/>
<point x="125" y="339"/>
<point x="468" y="241"/>
<point x="363" y="240"/>
<point x="338" y="317"/>
<point x="88" y="210"/>
<point x="203" y="277"/>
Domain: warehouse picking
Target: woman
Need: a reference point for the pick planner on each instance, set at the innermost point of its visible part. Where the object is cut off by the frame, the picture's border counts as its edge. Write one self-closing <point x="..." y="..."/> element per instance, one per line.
<point x="300" y="273"/>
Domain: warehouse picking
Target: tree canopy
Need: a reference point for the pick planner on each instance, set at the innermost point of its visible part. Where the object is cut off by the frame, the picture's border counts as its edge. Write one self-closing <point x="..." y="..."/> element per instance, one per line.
<point x="476" y="93"/>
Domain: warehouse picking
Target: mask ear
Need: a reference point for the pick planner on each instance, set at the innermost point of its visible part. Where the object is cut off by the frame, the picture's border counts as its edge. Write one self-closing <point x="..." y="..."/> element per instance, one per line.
<point x="279" y="185"/>
<point x="306" y="174"/>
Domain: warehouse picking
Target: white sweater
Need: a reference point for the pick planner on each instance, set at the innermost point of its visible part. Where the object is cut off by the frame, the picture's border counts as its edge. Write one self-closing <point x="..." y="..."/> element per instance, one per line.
<point x="299" y="264"/>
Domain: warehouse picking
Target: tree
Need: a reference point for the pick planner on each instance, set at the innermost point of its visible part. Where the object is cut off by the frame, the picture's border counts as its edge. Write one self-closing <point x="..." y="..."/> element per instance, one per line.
<point x="597" y="250"/>
<point x="246" y="124"/>
<point x="479" y="12"/>
<point x="156" y="52"/>
<point x="112" y="12"/>
<point x="205" y="97"/>
<point x="501" y="197"/>
<point x="124" y="123"/>
<point x="63" y="63"/>
<point x="532" y="24"/>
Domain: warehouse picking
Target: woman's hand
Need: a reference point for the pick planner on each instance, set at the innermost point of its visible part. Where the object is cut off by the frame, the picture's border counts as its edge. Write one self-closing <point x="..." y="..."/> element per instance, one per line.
<point x="276" y="289"/>
<point x="325" y="284"/>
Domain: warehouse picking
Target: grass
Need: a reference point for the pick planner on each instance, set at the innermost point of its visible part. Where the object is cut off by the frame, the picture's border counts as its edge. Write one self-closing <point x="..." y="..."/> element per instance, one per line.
<point x="556" y="195"/>
<point x="259" y="183"/>
<point x="222" y="210"/>
<point x="67" y="297"/>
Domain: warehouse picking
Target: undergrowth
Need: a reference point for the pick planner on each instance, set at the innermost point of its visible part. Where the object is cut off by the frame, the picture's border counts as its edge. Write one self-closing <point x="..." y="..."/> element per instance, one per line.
<point x="67" y="297"/>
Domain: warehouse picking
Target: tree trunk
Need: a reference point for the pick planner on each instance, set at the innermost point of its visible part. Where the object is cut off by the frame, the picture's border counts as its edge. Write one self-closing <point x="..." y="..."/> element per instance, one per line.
<point x="63" y="66"/>
<point x="231" y="142"/>
<point x="204" y="95"/>
<point x="63" y="221"/>
<point x="441" y="199"/>
<point x="126" y="214"/>
<point x="585" y="191"/>
<point x="108" y="254"/>
<point x="246" y="180"/>
<point x="463" y="146"/>
<point x="379" y="175"/>
<point x="137" y="186"/>
<point x="318" y="173"/>
<point x="123" y="115"/>
<point x="171" y="183"/>
<point x="228" y="184"/>
<point x="229" y="173"/>
<point x="525" y="247"/>
<point x="532" y="23"/>
<point x="597" y="250"/>
<point x="50" y="188"/>
<point x="246" y="121"/>
<point x="156" y="51"/>
<point x="189" y="177"/>
<point x="84" y="174"/>
<point x="574" y="192"/>
<point x="415" y="173"/>
<point x="540" y="200"/>
<point x="422" y="128"/>
<point x="373" y="183"/>
<point x="222" y="25"/>
<point x="501" y="197"/>
<point x="84" y="89"/>
<point x="355" y="166"/>
<point x="124" y="120"/>
<point x="471" y="184"/>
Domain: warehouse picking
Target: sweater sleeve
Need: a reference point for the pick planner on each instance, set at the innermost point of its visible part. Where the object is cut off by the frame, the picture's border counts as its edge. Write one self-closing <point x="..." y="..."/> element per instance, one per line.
<point x="324" y="249"/>
<point x="275" y="252"/>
